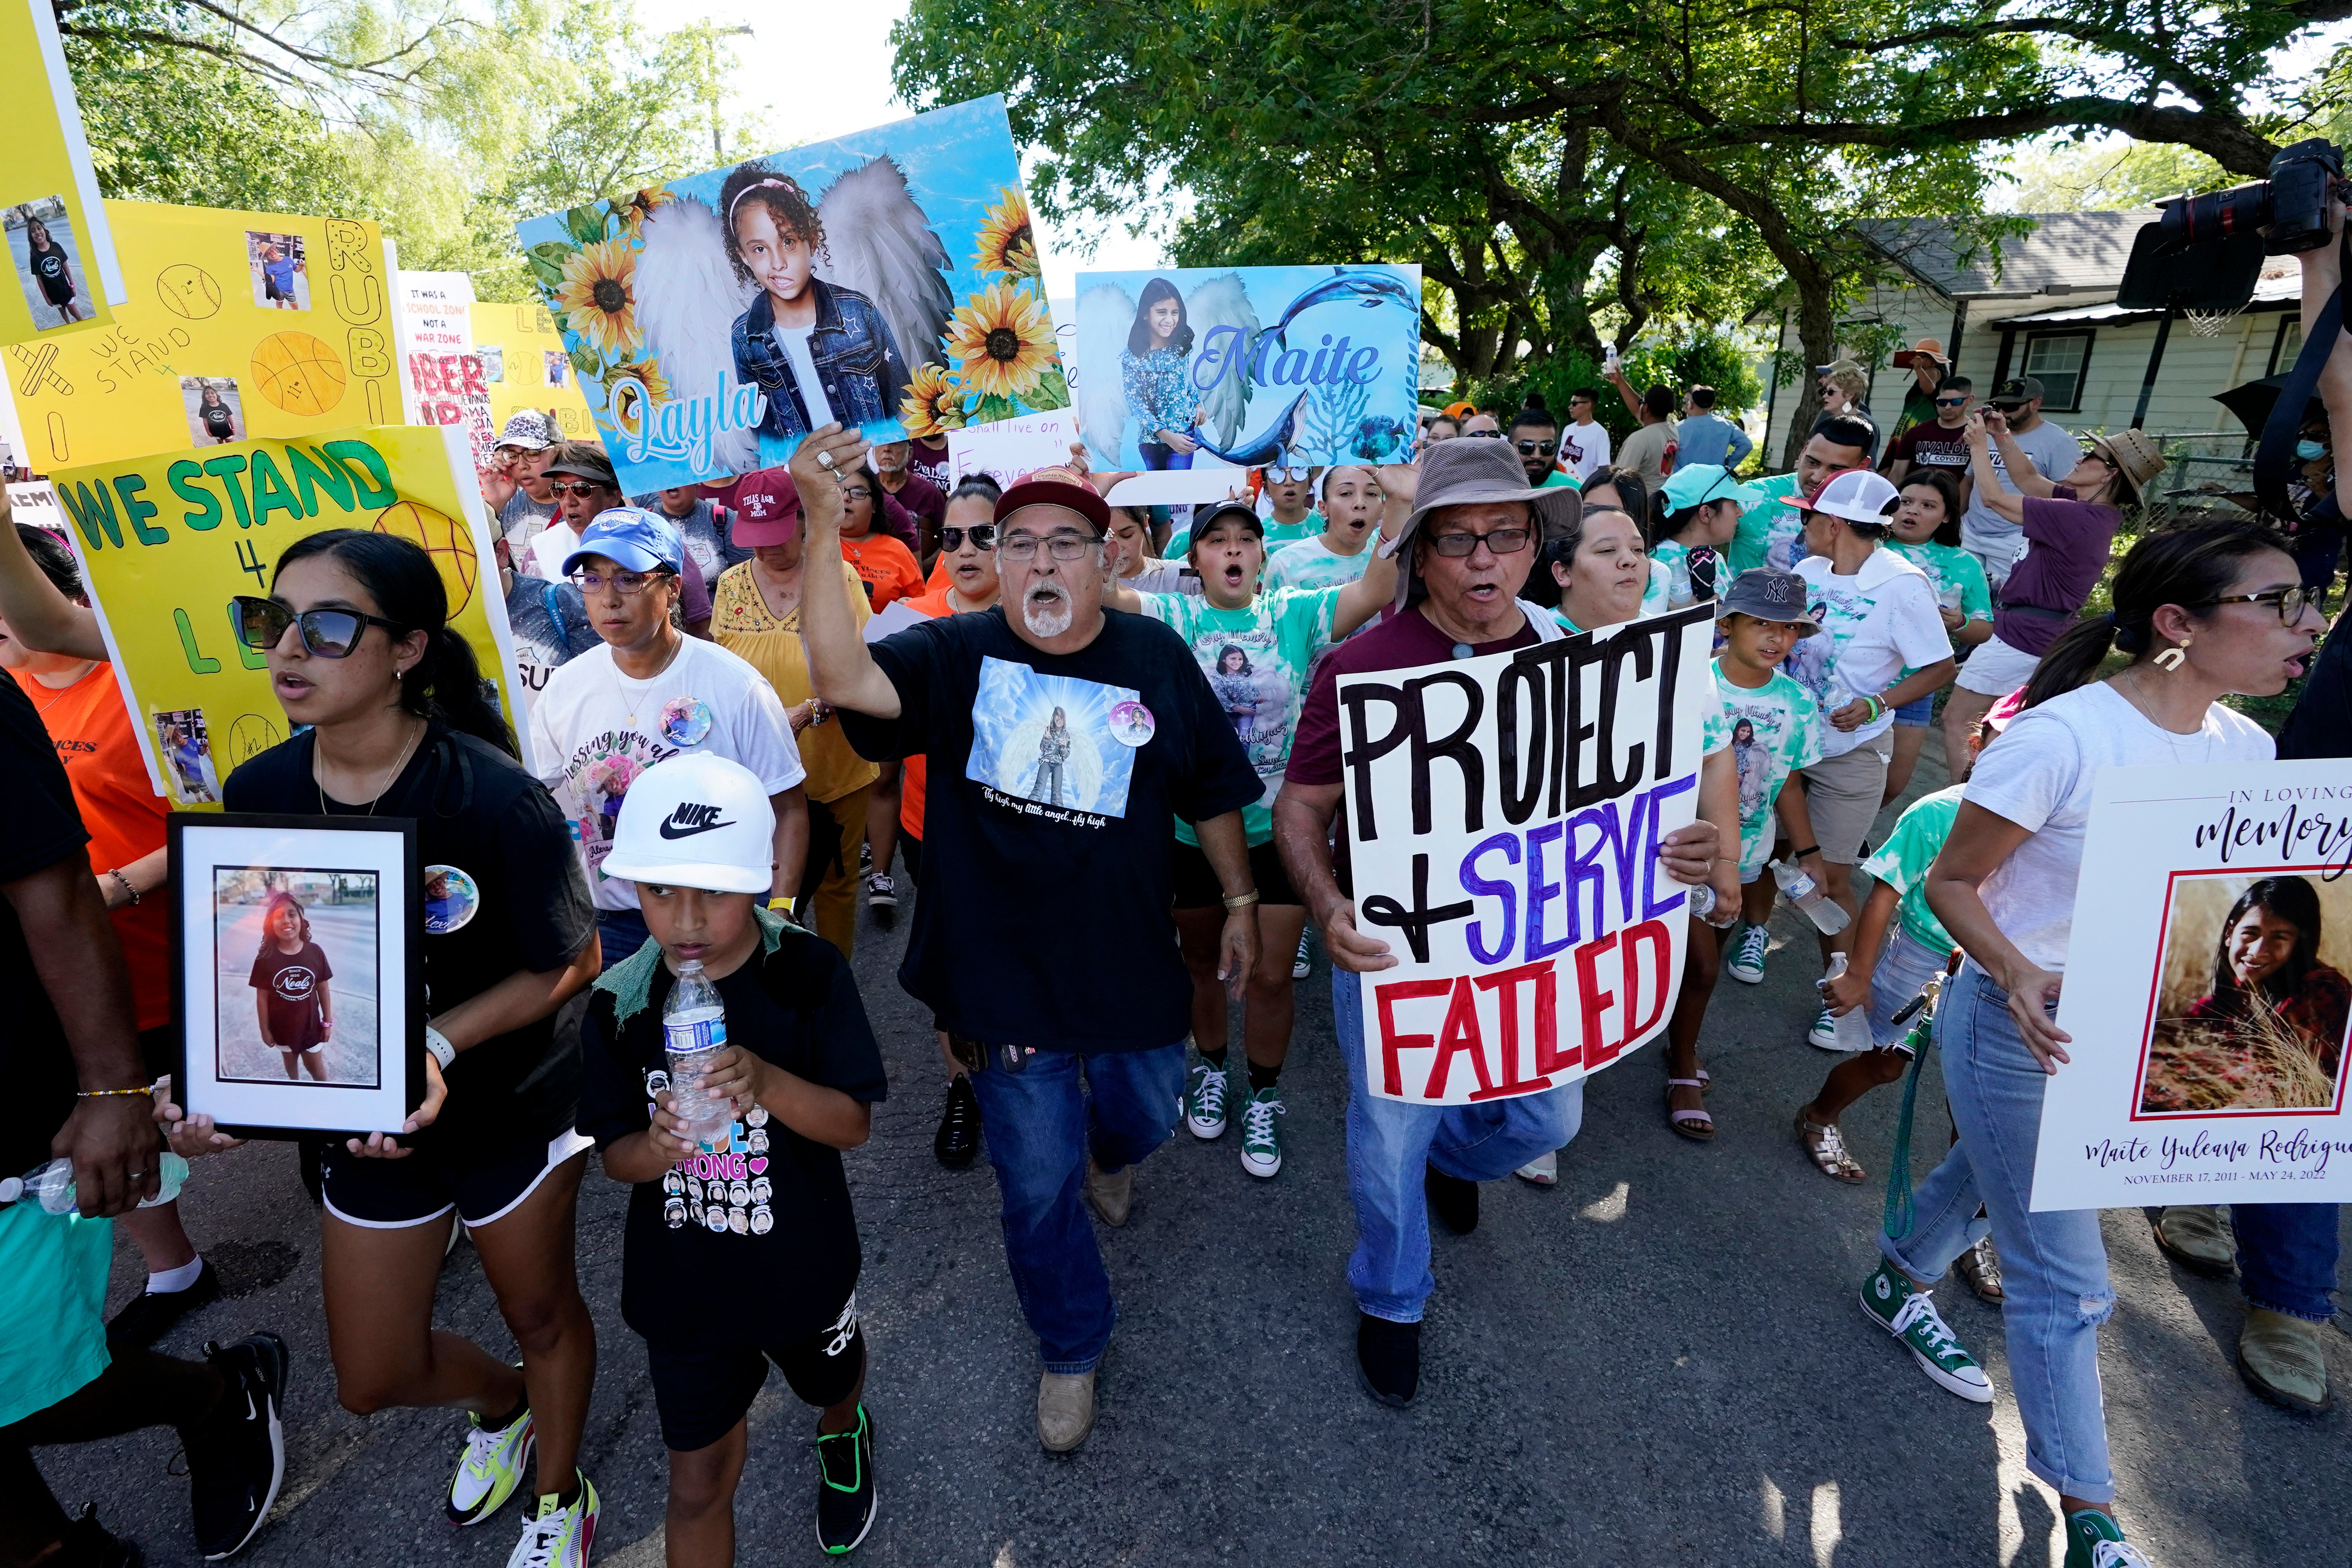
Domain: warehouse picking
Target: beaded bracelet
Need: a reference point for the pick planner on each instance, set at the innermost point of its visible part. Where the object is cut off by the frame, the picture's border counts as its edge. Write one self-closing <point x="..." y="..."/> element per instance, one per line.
<point x="147" y="1090"/>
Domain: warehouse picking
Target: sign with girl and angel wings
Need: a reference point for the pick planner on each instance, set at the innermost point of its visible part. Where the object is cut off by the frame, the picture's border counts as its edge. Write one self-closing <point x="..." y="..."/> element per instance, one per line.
<point x="887" y="280"/>
<point x="1251" y="367"/>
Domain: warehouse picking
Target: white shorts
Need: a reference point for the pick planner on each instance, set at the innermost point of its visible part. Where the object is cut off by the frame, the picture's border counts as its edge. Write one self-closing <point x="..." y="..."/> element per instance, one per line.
<point x="1996" y="669"/>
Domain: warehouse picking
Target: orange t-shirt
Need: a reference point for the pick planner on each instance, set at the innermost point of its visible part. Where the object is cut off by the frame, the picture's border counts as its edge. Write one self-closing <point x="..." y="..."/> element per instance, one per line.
<point x="914" y="769"/>
<point x="885" y="566"/>
<point x="122" y="813"/>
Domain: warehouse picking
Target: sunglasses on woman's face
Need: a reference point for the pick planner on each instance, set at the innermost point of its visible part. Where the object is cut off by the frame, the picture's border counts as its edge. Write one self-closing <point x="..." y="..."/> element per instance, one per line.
<point x="327" y="634"/>
<point x="583" y="489"/>
<point x="982" y="534"/>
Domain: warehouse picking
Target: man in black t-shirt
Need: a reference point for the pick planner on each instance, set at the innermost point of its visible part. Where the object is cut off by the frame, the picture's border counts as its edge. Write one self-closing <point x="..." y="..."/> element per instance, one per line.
<point x="76" y="1090"/>
<point x="1042" y="935"/>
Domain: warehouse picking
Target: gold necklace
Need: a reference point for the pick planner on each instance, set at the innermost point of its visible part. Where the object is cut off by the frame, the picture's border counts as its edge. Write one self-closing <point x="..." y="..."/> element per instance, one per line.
<point x="384" y="783"/>
<point x="646" y="687"/>
<point x="57" y="692"/>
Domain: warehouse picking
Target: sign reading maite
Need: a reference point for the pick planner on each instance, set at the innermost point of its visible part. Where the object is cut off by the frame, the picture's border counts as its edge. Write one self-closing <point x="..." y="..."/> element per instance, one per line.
<point x="1504" y="814"/>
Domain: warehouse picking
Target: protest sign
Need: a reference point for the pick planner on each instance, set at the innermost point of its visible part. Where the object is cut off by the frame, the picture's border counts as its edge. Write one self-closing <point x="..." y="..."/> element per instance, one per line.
<point x="2206" y="992"/>
<point x="288" y="319"/>
<point x="525" y="364"/>
<point x="442" y="379"/>
<point x="715" y="321"/>
<point x="1502" y="820"/>
<point x="60" y="248"/>
<point x="1011" y="447"/>
<point x="167" y="541"/>
<point x="1247" y="366"/>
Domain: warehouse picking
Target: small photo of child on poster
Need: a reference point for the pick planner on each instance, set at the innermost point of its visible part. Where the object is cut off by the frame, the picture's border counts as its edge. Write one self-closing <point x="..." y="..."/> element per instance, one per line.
<point x="281" y="280"/>
<point x="216" y="411"/>
<point x="48" y="263"/>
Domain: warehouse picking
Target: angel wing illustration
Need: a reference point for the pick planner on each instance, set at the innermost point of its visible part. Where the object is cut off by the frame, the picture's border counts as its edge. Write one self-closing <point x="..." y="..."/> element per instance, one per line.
<point x="1224" y="301"/>
<point x="1105" y="313"/>
<point x="687" y="297"/>
<point x="877" y="241"/>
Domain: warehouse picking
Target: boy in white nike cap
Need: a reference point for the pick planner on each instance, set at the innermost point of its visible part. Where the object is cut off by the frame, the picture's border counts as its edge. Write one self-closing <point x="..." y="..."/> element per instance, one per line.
<point x="749" y="1255"/>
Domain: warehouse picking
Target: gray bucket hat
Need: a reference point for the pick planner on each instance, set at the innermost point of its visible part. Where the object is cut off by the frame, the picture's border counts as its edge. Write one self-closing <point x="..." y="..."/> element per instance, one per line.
<point x="1467" y="473"/>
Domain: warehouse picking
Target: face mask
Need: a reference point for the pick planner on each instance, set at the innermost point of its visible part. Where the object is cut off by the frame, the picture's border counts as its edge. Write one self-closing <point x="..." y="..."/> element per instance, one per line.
<point x="2308" y="450"/>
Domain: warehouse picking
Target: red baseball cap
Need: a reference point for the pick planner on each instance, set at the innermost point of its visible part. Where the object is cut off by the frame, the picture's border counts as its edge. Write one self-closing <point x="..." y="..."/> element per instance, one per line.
<point x="767" y="508"/>
<point x="1056" y="486"/>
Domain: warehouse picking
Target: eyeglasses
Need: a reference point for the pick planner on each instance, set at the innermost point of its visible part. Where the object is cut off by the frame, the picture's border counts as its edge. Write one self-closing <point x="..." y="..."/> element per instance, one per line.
<point x="1960" y="402"/>
<point x="855" y="493"/>
<point x="583" y="489"/>
<point x="2290" y="602"/>
<point x="627" y="584"/>
<point x="1290" y="476"/>
<point x="1537" y="448"/>
<point x="261" y="623"/>
<point x="1062" y="546"/>
<point x="1485" y="434"/>
<point x="982" y="534"/>
<point x="1501" y="542"/>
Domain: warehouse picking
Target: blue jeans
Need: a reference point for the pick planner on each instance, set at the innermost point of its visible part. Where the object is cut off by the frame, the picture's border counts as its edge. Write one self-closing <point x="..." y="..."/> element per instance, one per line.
<point x="1039" y="1124"/>
<point x="2286" y="1256"/>
<point x="1389" y="1142"/>
<point x="2053" y="1264"/>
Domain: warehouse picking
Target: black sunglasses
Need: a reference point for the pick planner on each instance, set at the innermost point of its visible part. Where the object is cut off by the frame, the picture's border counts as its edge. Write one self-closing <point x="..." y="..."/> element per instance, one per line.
<point x="260" y="625"/>
<point x="983" y="537"/>
<point x="1537" y="448"/>
<point x="1489" y="435"/>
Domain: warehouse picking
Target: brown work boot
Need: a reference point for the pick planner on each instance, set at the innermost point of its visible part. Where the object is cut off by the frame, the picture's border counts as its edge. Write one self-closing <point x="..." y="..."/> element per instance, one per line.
<point x="1110" y="1193"/>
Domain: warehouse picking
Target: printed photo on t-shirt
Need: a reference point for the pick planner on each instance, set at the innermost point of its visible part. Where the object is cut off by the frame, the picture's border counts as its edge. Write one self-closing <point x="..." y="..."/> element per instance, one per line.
<point x="187" y="747"/>
<point x="281" y="274"/>
<point x="294" y="954"/>
<point x="1051" y="739"/>
<point x="48" y="259"/>
<point x="216" y="410"/>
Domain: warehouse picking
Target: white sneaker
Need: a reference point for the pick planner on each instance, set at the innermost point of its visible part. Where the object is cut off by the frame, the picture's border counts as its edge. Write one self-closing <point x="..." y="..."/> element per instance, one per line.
<point x="1824" y="1031"/>
<point x="1745" y="964"/>
<point x="495" y="1462"/>
<point x="558" y="1537"/>
<point x="1543" y="1171"/>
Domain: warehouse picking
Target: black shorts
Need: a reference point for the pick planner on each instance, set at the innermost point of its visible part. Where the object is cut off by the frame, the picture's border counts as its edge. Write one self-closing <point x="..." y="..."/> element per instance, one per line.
<point x="394" y="1194"/>
<point x="700" y="1392"/>
<point x="1197" y="886"/>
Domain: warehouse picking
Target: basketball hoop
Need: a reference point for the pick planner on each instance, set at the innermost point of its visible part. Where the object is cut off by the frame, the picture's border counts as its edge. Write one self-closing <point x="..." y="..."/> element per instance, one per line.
<point x="2208" y="323"/>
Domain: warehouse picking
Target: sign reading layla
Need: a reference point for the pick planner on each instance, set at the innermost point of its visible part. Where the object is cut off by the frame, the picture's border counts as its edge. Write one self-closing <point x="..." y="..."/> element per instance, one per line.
<point x="1503" y="816"/>
<point x="2206" y="991"/>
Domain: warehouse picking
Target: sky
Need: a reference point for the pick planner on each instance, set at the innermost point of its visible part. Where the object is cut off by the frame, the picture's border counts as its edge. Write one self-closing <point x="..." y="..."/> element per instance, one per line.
<point x="854" y="91"/>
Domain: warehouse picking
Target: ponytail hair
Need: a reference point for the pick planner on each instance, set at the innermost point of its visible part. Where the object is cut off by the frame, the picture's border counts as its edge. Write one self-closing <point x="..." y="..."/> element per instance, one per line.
<point x="446" y="683"/>
<point x="2190" y="564"/>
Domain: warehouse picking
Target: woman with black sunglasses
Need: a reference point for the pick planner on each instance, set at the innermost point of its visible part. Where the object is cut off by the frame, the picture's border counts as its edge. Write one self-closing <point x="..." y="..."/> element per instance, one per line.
<point x="356" y="633"/>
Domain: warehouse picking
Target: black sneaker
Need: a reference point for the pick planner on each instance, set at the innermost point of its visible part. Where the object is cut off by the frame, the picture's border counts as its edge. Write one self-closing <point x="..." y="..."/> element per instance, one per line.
<point x="881" y="899"/>
<point x="86" y="1544"/>
<point x="1454" y="1200"/>
<point x="845" y="1493"/>
<point x="958" y="1140"/>
<point x="237" y="1461"/>
<point x="145" y="1318"/>
<point x="1388" y="1358"/>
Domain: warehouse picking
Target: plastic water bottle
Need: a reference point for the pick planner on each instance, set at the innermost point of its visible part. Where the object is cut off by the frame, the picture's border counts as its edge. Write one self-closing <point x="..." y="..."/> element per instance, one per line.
<point x="1809" y="896"/>
<point x="52" y="1185"/>
<point x="1852" y="1025"/>
<point x="1702" y="904"/>
<point x="694" y="1031"/>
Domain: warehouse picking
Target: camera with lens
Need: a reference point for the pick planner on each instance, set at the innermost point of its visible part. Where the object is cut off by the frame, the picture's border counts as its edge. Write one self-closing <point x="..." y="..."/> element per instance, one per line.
<point x="2205" y="253"/>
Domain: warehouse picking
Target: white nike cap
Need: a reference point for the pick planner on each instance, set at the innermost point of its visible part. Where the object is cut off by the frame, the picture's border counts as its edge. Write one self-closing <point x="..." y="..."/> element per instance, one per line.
<point x="695" y="821"/>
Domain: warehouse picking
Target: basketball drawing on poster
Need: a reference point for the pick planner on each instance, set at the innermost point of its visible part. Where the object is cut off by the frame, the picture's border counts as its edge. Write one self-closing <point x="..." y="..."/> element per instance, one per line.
<point x="887" y="280"/>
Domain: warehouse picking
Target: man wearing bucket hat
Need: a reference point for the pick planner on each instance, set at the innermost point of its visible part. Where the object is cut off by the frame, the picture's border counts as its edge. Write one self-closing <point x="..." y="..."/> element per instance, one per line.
<point x="1060" y="740"/>
<point x="2069" y="528"/>
<point x="1883" y="620"/>
<point x="1468" y="538"/>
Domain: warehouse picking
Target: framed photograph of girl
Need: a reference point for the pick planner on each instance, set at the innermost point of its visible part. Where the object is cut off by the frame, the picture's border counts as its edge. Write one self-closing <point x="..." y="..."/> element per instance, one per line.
<point x="297" y="972"/>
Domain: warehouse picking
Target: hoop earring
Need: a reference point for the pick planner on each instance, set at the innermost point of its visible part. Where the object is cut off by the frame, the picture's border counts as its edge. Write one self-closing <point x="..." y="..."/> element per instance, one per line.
<point x="2172" y="659"/>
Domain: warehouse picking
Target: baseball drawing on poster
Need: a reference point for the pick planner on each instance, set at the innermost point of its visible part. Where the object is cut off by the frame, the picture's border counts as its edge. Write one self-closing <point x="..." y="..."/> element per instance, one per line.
<point x="887" y="280"/>
<point x="2207" y="992"/>
<point x="1053" y="743"/>
<point x="1249" y="366"/>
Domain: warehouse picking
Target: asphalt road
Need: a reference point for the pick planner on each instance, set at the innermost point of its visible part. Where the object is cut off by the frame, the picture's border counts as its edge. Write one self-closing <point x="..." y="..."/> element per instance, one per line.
<point x="1659" y="1360"/>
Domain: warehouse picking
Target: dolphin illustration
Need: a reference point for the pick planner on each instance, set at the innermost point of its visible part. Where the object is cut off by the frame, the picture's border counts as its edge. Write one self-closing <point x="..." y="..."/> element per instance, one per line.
<point x="1369" y="288"/>
<point x="1258" y="450"/>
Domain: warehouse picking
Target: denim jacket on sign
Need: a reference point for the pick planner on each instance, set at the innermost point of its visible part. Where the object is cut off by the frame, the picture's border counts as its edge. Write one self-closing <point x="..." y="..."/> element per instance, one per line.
<point x="864" y="379"/>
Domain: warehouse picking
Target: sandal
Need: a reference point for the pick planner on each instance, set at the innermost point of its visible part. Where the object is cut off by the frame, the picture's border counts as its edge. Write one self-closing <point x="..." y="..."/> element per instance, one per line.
<point x="1705" y="1081"/>
<point x="1826" y="1146"/>
<point x="1695" y="1125"/>
<point x="1980" y="1269"/>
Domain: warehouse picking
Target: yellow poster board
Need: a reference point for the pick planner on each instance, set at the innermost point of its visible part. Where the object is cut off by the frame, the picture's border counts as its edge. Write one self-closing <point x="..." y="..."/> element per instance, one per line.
<point x="48" y="190"/>
<point x="167" y="541"/>
<point x="239" y="325"/>
<point x="534" y="371"/>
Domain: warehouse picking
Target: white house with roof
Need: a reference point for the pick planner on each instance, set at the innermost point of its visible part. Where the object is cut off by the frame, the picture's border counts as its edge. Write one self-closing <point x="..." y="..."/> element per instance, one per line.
<point x="2044" y="307"/>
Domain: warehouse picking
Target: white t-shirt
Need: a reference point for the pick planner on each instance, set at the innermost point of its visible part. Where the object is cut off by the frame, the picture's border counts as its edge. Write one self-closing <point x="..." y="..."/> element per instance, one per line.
<point x="1876" y="625"/>
<point x="1584" y="449"/>
<point x="795" y="342"/>
<point x="1160" y="576"/>
<point x="593" y="730"/>
<point x="558" y="540"/>
<point x="1992" y="538"/>
<point x="2038" y="775"/>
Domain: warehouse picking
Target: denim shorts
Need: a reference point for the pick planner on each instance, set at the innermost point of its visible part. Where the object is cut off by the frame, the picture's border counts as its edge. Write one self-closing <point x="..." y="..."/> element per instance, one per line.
<point x="1903" y="966"/>
<point x="1917" y="715"/>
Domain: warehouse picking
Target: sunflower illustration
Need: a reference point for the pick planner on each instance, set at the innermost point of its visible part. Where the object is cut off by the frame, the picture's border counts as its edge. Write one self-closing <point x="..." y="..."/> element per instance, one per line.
<point x="1007" y="243"/>
<point x="598" y="297"/>
<point x="634" y="210"/>
<point x="933" y="404"/>
<point x="1002" y="342"/>
<point x="649" y="372"/>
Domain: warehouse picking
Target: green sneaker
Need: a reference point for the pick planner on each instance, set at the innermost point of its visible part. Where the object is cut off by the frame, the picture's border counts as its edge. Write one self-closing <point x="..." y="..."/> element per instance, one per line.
<point x="492" y="1466"/>
<point x="1204" y="1102"/>
<point x="1906" y="1311"/>
<point x="2095" y="1540"/>
<point x="557" y="1535"/>
<point x="1261" y="1144"/>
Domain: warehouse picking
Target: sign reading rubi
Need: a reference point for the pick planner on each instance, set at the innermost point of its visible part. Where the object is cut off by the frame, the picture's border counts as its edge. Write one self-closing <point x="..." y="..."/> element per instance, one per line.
<point x="1503" y="816"/>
